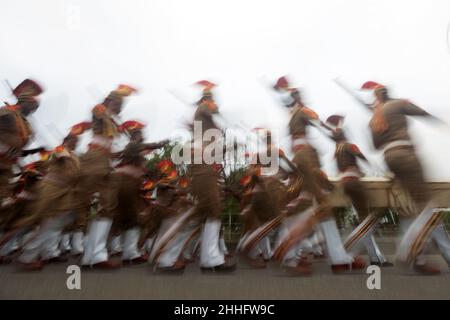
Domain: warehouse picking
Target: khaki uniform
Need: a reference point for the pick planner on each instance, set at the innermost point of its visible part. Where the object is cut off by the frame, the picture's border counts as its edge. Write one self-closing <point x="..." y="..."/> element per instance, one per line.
<point x="306" y="157"/>
<point x="204" y="183"/>
<point x="59" y="191"/>
<point x="96" y="165"/>
<point x="402" y="161"/>
<point x="15" y="132"/>
<point x="346" y="159"/>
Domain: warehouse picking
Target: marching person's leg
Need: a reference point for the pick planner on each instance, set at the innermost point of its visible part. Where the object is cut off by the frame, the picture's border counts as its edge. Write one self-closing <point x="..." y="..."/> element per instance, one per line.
<point x="189" y="253"/>
<point x="361" y="238"/>
<point x="409" y="251"/>
<point x="10" y="246"/>
<point x="266" y="248"/>
<point x="171" y="258"/>
<point x="45" y="243"/>
<point x="95" y="251"/>
<point x="407" y="168"/>
<point x="65" y="242"/>
<point x="375" y="255"/>
<point x="77" y="242"/>
<point x="340" y="259"/>
<point x="206" y="190"/>
<point x="115" y="245"/>
<point x="441" y="238"/>
<point x="210" y="254"/>
<point x="131" y="252"/>
<point x="222" y="244"/>
<point x="78" y="236"/>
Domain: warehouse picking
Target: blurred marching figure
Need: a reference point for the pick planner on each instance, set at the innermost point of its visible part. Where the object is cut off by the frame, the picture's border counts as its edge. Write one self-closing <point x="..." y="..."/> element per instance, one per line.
<point x="346" y="156"/>
<point x="204" y="183"/>
<point x="261" y="205"/>
<point x="313" y="196"/>
<point x="128" y="178"/>
<point x="389" y="128"/>
<point x="22" y="220"/>
<point x="15" y="134"/>
<point x="57" y="206"/>
<point x="72" y="240"/>
<point x="96" y="178"/>
<point x="178" y="225"/>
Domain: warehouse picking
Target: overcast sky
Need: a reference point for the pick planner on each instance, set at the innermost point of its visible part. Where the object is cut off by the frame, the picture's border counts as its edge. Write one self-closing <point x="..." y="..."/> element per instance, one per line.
<point x="80" y="50"/>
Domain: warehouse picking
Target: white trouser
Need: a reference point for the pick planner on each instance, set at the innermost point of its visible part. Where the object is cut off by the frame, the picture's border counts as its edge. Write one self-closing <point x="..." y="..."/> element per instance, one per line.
<point x="130" y="244"/>
<point x="441" y="238"/>
<point x="293" y="255"/>
<point x="10" y="246"/>
<point x="335" y="248"/>
<point x="316" y="242"/>
<point x="416" y="236"/>
<point x="77" y="242"/>
<point x="222" y="245"/>
<point x="115" y="245"/>
<point x="95" y="250"/>
<point x="365" y="242"/>
<point x="45" y="244"/>
<point x="175" y="249"/>
<point x="210" y="255"/>
<point x="373" y="251"/>
<point x="191" y="248"/>
<point x="158" y="239"/>
<point x="263" y="248"/>
<point x="65" y="242"/>
<point x="148" y="245"/>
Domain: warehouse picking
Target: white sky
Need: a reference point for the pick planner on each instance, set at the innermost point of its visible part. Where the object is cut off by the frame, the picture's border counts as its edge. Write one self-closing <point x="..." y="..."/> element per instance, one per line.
<point x="80" y="50"/>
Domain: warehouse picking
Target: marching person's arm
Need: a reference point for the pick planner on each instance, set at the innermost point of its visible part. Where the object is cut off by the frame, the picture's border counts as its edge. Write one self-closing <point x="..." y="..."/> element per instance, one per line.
<point x="354" y="150"/>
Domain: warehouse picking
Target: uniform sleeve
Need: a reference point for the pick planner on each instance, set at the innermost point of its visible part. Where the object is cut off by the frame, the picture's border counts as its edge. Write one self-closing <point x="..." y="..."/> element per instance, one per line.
<point x="411" y="109"/>
<point x="354" y="150"/>
<point x="309" y="114"/>
<point x="7" y="122"/>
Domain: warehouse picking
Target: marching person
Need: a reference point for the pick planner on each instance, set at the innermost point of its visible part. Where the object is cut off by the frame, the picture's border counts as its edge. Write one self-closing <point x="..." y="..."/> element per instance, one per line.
<point x="56" y="207"/>
<point x="16" y="131"/>
<point x="315" y="187"/>
<point x="204" y="186"/>
<point x="96" y="178"/>
<point x="128" y="176"/>
<point x="346" y="155"/>
<point x="15" y="134"/>
<point x="389" y="129"/>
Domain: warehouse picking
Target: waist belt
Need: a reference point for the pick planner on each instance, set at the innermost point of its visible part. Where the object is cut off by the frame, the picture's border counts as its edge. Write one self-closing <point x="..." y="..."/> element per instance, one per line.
<point x="397" y="144"/>
<point x="350" y="173"/>
<point x="99" y="142"/>
<point x="299" y="143"/>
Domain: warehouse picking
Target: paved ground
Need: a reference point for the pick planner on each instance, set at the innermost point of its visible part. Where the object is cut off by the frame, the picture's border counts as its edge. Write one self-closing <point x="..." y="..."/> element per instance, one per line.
<point x="138" y="282"/>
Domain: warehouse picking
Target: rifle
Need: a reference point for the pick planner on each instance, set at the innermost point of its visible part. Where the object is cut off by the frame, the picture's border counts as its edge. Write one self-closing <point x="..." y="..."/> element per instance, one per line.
<point x="350" y="92"/>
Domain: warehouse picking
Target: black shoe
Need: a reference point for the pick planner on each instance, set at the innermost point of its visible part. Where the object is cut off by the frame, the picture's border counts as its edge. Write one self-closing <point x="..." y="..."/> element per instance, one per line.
<point x="225" y="268"/>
